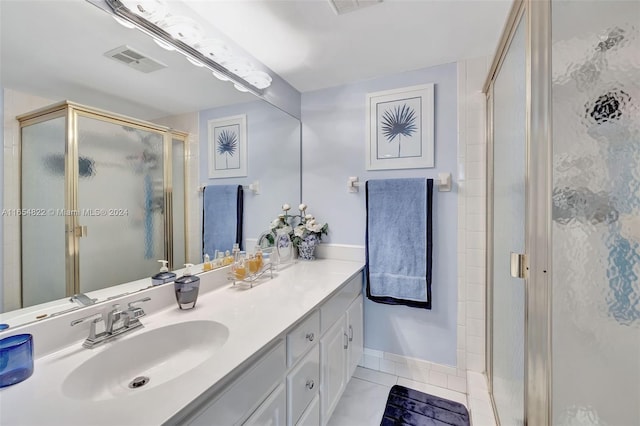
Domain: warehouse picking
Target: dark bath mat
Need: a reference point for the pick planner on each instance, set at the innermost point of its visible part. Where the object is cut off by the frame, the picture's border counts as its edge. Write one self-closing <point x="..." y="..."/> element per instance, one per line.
<point x="408" y="407"/>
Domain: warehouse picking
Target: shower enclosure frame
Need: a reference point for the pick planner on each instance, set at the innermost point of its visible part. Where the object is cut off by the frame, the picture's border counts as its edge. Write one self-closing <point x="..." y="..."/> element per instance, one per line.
<point x="73" y="230"/>
<point x="538" y="196"/>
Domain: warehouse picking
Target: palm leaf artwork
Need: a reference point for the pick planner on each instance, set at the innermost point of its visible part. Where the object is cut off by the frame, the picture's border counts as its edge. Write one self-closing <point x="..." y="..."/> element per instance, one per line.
<point x="397" y="122"/>
<point x="227" y="144"/>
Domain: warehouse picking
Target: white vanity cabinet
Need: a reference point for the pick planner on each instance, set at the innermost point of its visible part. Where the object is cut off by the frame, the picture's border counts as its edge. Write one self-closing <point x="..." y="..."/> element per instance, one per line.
<point x="341" y="350"/>
<point x="300" y="379"/>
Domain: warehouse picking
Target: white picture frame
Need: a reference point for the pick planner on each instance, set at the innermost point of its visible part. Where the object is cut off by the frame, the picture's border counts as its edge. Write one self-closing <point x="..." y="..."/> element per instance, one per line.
<point x="400" y="128"/>
<point x="227" y="139"/>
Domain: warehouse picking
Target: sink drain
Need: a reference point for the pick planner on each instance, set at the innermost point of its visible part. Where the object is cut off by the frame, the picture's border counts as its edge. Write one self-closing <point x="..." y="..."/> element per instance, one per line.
<point x="139" y="382"/>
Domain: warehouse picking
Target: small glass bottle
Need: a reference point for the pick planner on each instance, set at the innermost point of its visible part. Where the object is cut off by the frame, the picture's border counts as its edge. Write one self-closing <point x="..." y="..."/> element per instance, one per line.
<point x="207" y="263"/>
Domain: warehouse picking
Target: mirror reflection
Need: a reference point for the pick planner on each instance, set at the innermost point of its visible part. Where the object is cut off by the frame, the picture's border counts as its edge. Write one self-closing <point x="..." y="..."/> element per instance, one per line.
<point x="60" y="56"/>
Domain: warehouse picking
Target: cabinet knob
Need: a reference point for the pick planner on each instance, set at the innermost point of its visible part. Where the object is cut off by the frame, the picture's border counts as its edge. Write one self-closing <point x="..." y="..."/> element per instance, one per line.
<point x="350" y="333"/>
<point x="310" y="384"/>
<point x="346" y="341"/>
<point x="310" y="337"/>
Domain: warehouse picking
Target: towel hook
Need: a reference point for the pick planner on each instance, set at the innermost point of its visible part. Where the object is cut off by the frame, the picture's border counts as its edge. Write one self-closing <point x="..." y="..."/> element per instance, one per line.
<point x="253" y="187"/>
<point x="443" y="182"/>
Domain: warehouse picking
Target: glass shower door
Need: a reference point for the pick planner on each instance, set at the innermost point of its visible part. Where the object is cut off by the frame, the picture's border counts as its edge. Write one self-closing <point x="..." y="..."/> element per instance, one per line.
<point x="120" y="202"/>
<point x="43" y="225"/>
<point x="508" y="233"/>
<point x="596" y="213"/>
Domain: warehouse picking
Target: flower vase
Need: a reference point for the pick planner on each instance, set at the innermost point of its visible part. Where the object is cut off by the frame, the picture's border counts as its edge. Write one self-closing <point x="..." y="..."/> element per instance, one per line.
<point x="307" y="247"/>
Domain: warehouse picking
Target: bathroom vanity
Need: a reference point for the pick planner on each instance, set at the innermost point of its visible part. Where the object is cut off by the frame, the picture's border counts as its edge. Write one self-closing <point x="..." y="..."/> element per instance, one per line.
<point x="279" y="353"/>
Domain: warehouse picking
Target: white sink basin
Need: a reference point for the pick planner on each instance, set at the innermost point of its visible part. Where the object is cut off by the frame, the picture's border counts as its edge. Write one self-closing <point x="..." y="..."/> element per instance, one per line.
<point x="161" y="355"/>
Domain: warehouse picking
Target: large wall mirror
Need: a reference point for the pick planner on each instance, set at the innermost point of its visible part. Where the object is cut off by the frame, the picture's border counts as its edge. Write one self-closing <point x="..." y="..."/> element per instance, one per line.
<point x="56" y="51"/>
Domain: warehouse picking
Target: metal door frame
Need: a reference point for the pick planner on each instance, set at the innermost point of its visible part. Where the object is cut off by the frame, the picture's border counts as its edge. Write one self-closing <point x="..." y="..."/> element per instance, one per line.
<point x="537" y="338"/>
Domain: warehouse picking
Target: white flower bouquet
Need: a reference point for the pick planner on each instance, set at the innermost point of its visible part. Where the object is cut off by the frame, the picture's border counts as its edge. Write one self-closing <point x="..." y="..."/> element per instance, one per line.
<point x="299" y="226"/>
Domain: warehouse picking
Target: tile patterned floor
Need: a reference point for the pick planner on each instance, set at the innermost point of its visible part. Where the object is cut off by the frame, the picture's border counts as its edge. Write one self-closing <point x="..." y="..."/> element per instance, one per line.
<point x="364" y="400"/>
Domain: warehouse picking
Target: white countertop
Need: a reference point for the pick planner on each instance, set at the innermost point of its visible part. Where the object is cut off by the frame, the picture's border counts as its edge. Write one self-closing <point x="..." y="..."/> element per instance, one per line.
<point x="254" y="317"/>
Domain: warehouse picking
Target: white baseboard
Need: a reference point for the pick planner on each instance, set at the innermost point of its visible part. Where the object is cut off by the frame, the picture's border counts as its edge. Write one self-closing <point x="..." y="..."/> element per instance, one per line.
<point x="416" y="369"/>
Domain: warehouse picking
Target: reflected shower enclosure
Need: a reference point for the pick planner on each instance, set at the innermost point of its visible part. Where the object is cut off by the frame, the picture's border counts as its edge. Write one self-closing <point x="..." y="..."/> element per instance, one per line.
<point x="96" y="200"/>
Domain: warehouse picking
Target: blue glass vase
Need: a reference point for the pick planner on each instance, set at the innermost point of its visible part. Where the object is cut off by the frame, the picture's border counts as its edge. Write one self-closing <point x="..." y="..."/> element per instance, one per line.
<point x="16" y="359"/>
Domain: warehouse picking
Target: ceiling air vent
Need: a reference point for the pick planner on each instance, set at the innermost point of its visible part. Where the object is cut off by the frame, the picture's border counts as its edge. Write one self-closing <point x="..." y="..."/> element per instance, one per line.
<point x="344" y="6"/>
<point x="134" y="59"/>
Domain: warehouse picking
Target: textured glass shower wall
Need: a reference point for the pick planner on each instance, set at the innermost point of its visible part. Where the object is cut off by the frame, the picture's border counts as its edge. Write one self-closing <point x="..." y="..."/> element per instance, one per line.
<point x="596" y="213"/>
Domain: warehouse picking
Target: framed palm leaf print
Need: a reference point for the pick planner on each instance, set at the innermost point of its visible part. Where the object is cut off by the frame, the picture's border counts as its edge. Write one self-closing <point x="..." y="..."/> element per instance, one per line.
<point x="400" y="128"/>
<point x="227" y="147"/>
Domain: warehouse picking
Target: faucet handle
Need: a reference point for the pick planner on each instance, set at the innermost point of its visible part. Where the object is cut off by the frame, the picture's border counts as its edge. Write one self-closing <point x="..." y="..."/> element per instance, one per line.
<point x="133" y="313"/>
<point x="97" y="325"/>
<point x="97" y="317"/>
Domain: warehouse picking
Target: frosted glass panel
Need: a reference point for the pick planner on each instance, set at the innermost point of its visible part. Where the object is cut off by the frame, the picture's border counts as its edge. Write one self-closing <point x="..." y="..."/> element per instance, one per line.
<point x="508" y="232"/>
<point x="179" y="232"/>
<point x="596" y="213"/>
<point x="43" y="237"/>
<point x="121" y="183"/>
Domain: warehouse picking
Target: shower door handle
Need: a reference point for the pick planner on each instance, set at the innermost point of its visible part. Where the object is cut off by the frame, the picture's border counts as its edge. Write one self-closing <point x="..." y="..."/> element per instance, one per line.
<point x="518" y="265"/>
<point x="81" y="231"/>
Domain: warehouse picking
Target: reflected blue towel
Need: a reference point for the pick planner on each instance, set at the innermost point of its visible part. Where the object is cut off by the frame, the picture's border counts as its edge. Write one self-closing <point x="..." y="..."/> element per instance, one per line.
<point x="222" y="218"/>
<point x="398" y="241"/>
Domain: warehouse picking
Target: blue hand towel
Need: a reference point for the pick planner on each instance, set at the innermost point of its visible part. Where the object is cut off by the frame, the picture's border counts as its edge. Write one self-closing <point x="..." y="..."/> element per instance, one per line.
<point x="222" y="218"/>
<point x="399" y="241"/>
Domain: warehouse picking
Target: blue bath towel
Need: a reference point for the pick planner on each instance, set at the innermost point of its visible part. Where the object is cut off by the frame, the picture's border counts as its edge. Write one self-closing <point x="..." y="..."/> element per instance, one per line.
<point x="399" y="241"/>
<point x="222" y="218"/>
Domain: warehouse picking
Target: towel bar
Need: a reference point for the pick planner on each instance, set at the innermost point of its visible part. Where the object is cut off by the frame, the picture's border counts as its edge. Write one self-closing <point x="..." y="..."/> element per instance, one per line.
<point x="253" y="187"/>
<point x="443" y="181"/>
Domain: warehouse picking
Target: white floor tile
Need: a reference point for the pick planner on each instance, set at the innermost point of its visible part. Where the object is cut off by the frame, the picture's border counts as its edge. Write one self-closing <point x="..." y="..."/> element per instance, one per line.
<point x="434" y="390"/>
<point x="362" y="404"/>
<point x="375" y="377"/>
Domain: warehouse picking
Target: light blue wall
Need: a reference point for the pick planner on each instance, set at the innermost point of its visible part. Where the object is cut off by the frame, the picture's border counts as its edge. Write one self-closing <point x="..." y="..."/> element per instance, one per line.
<point x="333" y="135"/>
<point x="273" y="143"/>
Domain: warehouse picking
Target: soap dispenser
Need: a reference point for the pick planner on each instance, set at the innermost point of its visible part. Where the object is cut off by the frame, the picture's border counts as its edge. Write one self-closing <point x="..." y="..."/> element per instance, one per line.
<point x="164" y="276"/>
<point x="186" y="289"/>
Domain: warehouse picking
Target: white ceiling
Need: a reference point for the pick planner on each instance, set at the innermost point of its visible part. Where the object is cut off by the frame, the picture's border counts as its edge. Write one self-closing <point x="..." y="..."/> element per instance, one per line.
<point x="55" y="48"/>
<point x="311" y="47"/>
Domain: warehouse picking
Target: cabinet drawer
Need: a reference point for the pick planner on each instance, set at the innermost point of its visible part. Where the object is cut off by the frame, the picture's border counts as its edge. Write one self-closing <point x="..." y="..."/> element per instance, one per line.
<point x="333" y="308"/>
<point x="301" y="338"/>
<point x="243" y="395"/>
<point x="302" y="384"/>
<point x="272" y="411"/>
<point x="311" y="416"/>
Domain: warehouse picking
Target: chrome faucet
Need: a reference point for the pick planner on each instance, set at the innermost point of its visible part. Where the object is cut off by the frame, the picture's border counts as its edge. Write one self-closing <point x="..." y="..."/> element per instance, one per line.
<point x="118" y="322"/>
<point x="82" y="299"/>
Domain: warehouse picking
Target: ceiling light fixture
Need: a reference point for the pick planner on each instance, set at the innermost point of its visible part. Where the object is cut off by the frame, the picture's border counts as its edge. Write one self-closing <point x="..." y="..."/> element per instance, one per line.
<point x="184" y="35"/>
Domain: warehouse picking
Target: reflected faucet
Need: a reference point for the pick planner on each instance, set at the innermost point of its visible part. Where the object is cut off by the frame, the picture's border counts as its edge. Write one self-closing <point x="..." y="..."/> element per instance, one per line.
<point x="82" y="299"/>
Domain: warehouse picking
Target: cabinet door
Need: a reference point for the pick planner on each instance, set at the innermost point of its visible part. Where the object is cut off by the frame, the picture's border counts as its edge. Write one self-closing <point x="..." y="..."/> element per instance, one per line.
<point x="355" y="331"/>
<point x="333" y="349"/>
<point x="311" y="416"/>
<point x="271" y="412"/>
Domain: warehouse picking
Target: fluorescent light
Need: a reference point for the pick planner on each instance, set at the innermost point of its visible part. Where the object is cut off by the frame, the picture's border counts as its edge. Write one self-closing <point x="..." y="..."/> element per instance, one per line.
<point x="220" y="76"/>
<point x="194" y="62"/>
<point x="164" y="44"/>
<point x="123" y="22"/>
<point x="240" y="88"/>
<point x="151" y="10"/>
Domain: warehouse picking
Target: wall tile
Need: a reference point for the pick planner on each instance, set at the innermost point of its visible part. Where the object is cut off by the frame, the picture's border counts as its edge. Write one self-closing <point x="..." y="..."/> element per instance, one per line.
<point x="475" y="345"/>
<point x="475" y="310"/>
<point x="456" y="383"/>
<point x="475" y="327"/>
<point x="475" y="292"/>
<point x="475" y="362"/>
<point x="437" y="378"/>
